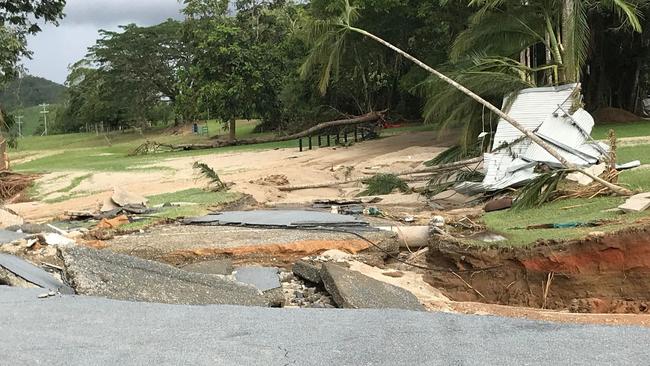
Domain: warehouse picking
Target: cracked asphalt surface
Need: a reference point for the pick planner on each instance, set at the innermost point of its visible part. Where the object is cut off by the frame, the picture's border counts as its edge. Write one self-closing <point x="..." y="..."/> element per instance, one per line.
<point x="73" y="330"/>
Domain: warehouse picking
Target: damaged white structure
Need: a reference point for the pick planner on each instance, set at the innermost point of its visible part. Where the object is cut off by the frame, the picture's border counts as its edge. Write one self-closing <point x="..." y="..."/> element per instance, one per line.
<point x="545" y="112"/>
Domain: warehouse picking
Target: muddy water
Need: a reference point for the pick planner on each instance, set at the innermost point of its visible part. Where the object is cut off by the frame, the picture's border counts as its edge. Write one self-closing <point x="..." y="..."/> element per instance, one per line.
<point x="606" y="274"/>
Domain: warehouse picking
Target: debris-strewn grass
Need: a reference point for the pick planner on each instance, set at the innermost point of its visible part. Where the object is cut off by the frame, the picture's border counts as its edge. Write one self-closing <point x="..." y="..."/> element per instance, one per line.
<point x="571" y="210"/>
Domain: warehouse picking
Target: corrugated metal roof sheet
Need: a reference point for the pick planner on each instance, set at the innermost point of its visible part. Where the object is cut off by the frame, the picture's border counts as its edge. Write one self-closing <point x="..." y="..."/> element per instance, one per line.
<point x="530" y="108"/>
<point x="569" y="134"/>
<point x="541" y="110"/>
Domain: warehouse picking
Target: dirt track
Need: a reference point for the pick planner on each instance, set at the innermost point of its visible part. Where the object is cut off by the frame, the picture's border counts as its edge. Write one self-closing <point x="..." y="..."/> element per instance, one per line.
<point x="244" y="168"/>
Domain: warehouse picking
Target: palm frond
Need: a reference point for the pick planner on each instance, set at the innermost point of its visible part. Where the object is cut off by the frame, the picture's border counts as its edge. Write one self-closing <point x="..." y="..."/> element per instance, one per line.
<point x="502" y="33"/>
<point x="445" y="180"/>
<point x="456" y="153"/>
<point x="327" y="39"/>
<point x="215" y="183"/>
<point x="381" y="184"/>
<point x="628" y="12"/>
<point x="539" y="190"/>
<point x="449" y="108"/>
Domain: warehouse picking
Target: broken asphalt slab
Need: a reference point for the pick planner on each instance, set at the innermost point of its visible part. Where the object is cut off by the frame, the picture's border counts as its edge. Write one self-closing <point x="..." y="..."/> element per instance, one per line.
<point x="353" y="290"/>
<point x="122" y="277"/>
<point x="7" y="236"/>
<point x="262" y="278"/>
<point x="222" y="267"/>
<point x="308" y="271"/>
<point x="266" y="280"/>
<point x="33" y="274"/>
<point x="279" y="218"/>
<point x="100" y="331"/>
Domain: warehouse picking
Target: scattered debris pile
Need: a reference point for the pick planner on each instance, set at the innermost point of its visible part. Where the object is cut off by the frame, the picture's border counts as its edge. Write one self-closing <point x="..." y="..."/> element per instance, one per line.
<point x="550" y="112"/>
<point x="12" y="184"/>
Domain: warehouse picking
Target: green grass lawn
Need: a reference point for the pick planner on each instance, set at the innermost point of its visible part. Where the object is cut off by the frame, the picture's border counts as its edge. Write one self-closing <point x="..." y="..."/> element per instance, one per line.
<point x="88" y="151"/>
<point x="633" y="129"/>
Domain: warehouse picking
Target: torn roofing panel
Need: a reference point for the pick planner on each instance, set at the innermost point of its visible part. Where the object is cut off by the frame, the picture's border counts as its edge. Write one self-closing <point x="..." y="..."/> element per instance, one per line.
<point x="570" y="136"/>
<point x="530" y="108"/>
<point x="541" y="110"/>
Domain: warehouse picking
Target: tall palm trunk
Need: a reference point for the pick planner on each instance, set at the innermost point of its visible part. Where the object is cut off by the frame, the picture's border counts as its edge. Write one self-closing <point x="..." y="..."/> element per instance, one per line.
<point x="568" y="40"/>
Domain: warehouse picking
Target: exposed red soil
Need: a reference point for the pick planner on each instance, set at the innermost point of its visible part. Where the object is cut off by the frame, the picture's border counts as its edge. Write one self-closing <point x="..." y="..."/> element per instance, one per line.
<point x="609" y="274"/>
<point x="286" y="252"/>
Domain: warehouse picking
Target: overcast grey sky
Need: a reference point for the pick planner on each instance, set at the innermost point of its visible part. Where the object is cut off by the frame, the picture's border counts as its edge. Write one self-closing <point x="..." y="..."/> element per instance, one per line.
<point x="57" y="47"/>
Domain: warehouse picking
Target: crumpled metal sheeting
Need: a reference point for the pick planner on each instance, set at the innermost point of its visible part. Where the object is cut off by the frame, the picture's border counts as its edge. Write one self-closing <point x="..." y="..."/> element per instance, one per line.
<point x="543" y="111"/>
<point x="530" y="108"/>
<point x="569" y="134"/>
<point x="279" y="218"/>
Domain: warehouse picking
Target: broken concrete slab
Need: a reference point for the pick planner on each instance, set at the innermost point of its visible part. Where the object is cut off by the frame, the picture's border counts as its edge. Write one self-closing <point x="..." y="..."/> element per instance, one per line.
<point x="262" y="278"/>
<point x="122" y="277"/>
<point x="222" y="267"/>
<point x="32" y="274"/>
<point x="637" y="203"/>
<point x="108" y="205"/>
<point x="279" y="218"/>
<point x="308" y="271"/>
<point x="351" y="289"/>
<point x="584" y="180"/>
<point x="123" y="198"/>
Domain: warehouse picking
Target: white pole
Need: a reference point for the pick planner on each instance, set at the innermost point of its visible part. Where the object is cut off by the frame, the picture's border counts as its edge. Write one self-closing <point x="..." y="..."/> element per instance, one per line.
<point x="44" y="112"/>
<point x="20" y="123"/>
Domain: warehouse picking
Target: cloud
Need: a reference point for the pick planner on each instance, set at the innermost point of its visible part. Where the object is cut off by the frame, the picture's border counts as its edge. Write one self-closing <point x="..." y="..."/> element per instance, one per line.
<point x="55" y="48"/>
<point x="103" y="13"/>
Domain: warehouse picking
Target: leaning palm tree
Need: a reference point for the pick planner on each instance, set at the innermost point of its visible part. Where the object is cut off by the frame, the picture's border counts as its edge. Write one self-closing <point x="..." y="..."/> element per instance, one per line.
<point x="497" y="55"/>
<point x="328" y="39"/>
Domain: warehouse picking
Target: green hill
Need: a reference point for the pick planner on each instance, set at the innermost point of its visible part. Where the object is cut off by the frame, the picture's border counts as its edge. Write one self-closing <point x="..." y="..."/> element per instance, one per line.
<point x="30" y="91"/>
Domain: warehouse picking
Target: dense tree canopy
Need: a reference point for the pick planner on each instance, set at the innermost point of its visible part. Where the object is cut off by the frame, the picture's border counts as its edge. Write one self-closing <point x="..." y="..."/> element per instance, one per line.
<point x="19" y="18"/>
<point x="282" y="61"/>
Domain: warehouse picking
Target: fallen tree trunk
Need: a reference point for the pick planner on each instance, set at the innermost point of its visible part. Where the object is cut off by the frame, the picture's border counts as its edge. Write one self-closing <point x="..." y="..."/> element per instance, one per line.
<point x="153" y="146"/>
<point x="431" y="169"/>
